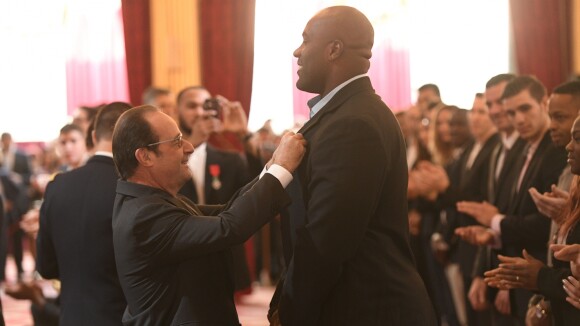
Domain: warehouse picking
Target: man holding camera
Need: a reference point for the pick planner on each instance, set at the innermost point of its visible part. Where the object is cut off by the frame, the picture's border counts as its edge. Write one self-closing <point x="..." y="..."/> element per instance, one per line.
<point x="216" y="174"/>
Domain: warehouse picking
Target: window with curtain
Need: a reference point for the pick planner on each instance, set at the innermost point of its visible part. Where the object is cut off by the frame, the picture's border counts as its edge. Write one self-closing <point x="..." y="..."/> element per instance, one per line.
<point x="58" y="55"/>
<point x="455" y="45"/>
<point x="32" y="69"/>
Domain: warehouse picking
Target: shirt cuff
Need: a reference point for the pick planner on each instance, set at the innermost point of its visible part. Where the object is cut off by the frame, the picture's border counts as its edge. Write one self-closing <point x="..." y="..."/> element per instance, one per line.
<point x="280" y="173"/>
<point x="496" y="221"/>
<point x="496" y="230"/>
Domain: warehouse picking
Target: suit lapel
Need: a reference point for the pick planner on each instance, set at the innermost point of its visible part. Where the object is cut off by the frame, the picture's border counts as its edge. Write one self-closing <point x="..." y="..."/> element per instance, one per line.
<point x="491" y="184"/>
<point x="209" y="160"/>
<point x="359" y="85"/>
<point x="482" y="156"/>
<point x="532" y="170"/>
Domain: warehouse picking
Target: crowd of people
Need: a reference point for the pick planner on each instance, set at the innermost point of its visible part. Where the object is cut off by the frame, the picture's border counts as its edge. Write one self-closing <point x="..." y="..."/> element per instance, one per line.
<point x="433" y="215"/>
<point x="489" y="190"/>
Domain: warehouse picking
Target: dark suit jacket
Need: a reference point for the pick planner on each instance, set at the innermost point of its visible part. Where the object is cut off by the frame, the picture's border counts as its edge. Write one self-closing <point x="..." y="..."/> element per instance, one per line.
<point x="233" y="174"/>
<point x="500" y="192"/>
<point x="550" y="284"/>
<point x="508" y="175"/>
<point x="523" y="226"/>
<point x="22" y="166"/>
<point x="470" y="185"/>
<point x="346" y="239"/>
<point x="174" y="258"/>
<point x="75" y="243"/>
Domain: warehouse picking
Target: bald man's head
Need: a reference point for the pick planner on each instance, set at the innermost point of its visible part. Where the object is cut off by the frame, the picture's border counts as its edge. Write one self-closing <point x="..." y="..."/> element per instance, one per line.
<point x="350" y="26"/>
<point x="337" y="46"/>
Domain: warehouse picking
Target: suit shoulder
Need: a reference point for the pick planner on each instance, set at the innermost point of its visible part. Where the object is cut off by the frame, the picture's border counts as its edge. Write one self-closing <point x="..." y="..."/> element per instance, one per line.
<point x="224" y="155"/>
<point x="555" y="155"/>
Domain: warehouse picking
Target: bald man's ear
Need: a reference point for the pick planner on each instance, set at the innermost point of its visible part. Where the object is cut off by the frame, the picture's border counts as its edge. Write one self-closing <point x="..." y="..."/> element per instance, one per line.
<point x="336" y="49"/>
<point x="143" y="157"/>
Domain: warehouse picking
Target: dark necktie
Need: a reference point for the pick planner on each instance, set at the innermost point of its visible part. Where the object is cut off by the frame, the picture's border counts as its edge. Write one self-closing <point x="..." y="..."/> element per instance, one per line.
<point x="491" y="181"/>
<point x="522" y="165"/>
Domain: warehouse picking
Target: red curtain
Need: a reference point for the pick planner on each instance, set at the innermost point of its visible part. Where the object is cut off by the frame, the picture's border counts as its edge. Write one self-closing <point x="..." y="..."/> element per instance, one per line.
<point x="227" y="48"/>
<point x="542" y="32"/>
<point x="137" y="47"/>
<point x="227" y="54"/>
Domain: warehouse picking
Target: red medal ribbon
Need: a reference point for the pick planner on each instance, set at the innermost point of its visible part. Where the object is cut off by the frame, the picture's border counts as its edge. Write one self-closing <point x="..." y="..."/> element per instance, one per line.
<point x="214" y="170"/>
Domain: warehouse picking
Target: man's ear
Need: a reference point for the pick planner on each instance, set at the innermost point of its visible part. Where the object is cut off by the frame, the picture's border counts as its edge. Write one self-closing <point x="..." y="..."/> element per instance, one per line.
<point x="336" y="49"/>
<point x="544" y="103"/>
<point x="143" y="156"/>
<point x="94" y="136"/>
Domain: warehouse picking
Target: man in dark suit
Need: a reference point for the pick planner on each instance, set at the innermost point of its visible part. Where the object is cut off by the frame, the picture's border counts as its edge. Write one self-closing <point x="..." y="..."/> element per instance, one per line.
<point x="9" y="193"/>
<point x="173" y="256"/>
<point x="346" y="240"/>
<point x="74" y="242"/>
<point x="522" y="226"/>
<point x="15" y="165"/>
<point x="15" y="162"/>
<point x="216" y="174"/>
<point x="530" y="273"/>
<point x="501" y="177"/>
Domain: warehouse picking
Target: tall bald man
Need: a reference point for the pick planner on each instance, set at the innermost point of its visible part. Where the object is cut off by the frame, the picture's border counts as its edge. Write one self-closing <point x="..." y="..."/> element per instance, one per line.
<point x="346" y="239"/>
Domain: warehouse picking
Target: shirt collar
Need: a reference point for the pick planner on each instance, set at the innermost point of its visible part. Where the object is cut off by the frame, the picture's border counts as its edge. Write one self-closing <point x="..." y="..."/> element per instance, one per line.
<point x="317" y="103"/>
<point x="104" y="153"/>
<point x="200" y="148"/>
<point x="509" y="141"/>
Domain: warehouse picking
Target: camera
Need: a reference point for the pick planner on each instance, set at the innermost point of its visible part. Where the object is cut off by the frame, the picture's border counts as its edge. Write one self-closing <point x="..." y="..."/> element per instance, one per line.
<point x="212" y="104"/>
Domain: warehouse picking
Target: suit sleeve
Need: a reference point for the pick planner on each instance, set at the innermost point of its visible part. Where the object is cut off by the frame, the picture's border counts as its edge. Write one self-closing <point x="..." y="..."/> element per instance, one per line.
<point x="531" y="230"/>
<point x="172" y="234"/>
<point x="46" y="262"/>
<point x="550" y="282"/>
<point x="345" y="182"/>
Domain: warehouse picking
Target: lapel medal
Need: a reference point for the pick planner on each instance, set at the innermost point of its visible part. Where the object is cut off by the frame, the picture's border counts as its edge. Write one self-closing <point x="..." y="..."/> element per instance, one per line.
<point x="214" y="170"/>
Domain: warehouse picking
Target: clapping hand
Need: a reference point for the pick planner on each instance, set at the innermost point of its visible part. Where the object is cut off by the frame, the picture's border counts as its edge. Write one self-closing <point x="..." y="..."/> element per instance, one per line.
<point x="551" y="203"/>
<point x="515" y="272"/>
<point x="569" y="253"/>
<point x="476" y="235"/>
<point x="482" y="212"/>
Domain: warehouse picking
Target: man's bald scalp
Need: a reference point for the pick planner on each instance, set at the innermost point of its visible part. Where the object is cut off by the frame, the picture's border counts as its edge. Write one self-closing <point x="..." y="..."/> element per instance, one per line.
<point x="350" y="26"/>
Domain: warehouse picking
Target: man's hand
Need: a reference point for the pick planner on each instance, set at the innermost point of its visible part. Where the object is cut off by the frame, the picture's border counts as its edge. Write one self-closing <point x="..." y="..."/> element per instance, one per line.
<point x="414" y="222"/>
<point x="482" y="212"/>
<point x="477" y="294"/>
<point x="476" y="235"/>
<point x="502" y="302"/>
<point x="515" y="272"/>
<point x="550" y="204"/>
<point x="569" y="253"/>
<point x="430" y="178"/>
<point x="26" y="291"/>
<point x="234" y="117"/>
<point x="290" y="152"/>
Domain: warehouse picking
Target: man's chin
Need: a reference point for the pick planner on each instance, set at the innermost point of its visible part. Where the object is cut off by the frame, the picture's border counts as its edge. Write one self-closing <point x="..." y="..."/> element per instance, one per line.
<point x="305" y="88"/>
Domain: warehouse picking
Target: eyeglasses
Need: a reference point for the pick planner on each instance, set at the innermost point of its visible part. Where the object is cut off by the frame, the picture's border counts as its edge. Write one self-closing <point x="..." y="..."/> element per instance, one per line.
<point x="178" y="141"/>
